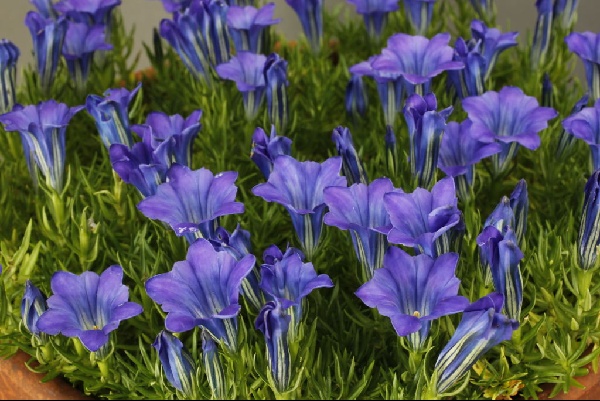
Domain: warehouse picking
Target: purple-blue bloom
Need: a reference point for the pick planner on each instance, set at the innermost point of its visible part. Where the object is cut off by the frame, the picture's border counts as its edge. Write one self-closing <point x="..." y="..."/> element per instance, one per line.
<point x="9" y="54"/>
<point x="585" y="125"/>
<point x="419" y="14"/>
<point x="177" y="363"/>
<point x="88" y="306"/>
<point x="48" y="35"/>
<point x="424" y="220"/>
<point x="565" y="11"/>
<point x="275" y="72"/>
<point x="212" y="20"/>
<point x="191" y="201"/>
<point x="111" y="114"/>
<point x="181" y="132"/>
<point x="91" y="12"/>
<point x="266" y="149"/>
<point x="352" y="166"/>
<point x="462" y="148"/>
<point x="587" y="46"/>
<point x="298" y="186"/>
<point x="514" y="118"/>
<point x="274" y="323"/>
<point x="81" y="41"/>
<point x="247" y="71"/>
<point x="481" y="328"/>
<point x="360" y="210"/>
<point x="356" y="96"/>
<point x="45" y="8"/>
<point x="375" y="14"/>
<point x="172" y="6"/>
<point x="202" y="290"/>
<point x="33" y="305"/>
<point x="519" y="203"/>
<point x="310" y="13"/>
<point x="469" y="81"/>
<point x="425" y="128"/>
<point x="589" y="235"/>
<point x="542" y="34"/>
<point x="492" y="43"/>
<point x="246" y="25"/>
<point x="414" y="290"/>
<point x="566" y="140"/>
<point x="43" y="130"/>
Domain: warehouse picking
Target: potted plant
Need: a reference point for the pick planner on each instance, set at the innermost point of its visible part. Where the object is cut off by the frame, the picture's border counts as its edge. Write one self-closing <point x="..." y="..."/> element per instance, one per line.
<point x="400" y="207"/>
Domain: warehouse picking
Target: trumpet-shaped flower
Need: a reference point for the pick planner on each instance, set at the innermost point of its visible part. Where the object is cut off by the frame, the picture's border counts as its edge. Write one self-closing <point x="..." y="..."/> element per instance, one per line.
<point x="43" y="130"/>
<point x="9" y="54"/>
<point x="469" y="81"/>
<point x="247" y="71"/>
<point x="177" y="363"/>
<point x="274" y="323"/>
<point x="461" y="148"/>
<point x="266" y="149"/>
<point x="33" y="305"/>
<point x="481" y="328"/>
<point x="191" y="201"/>
<point x="246" y="25"/>
<point x="519" y="203"/>
<point x="566" y="140"/>
<point x="202" y="290"/>
<point x="422" y="219"/>
<point x="356" y="96"/>
<point x="514" y="119"/>
<point x="425" y="128"/>
<point x="48" y="35"/>
<point x="298" y="186"/>
<point x="45" y="8"/>
<point x="414" y="290"/>
<point x="375" y="14"/>
<point x="112" y="116"/>
<point x="275" y="72"/>
<point x="419" y="14"/>
<point x="417" y="59"/>
<point x="587" y="46"/>
<point x="310" y="13"/>
<point x="352" y="166"/>
<point x="565" y="11"/>
<point x="172" y="6"/>
<point x="493" y="42"/>
<point x="542" y="34"/>
<point x="92" y="12"/>
<point x="88" y="306"/>
<point x="160" y="128"/>
<point x="585" y="125"/>
<point x="589" y="235"/>
<point x="360" y="210"/>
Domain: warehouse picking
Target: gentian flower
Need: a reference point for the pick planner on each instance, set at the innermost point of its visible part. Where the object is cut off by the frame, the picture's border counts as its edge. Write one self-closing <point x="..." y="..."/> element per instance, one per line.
<point x="547" y="92"/>
<point x="266" y="149"/>
<point x="485" y="8"/>
<point x="461" y="148"/>
<point x="33" y="305"/>
<point x="191" y="201"/>
<point x="81" y="41"/>
<point x="587" y="46"/>
<point x="310" y="13"/>
<point x="565" y="11"/>
<point x="482" y="327"/>
<point x="172" y="6"/>
<point x="375" y="14"/>
<point x="423" y="219"/>
<point x="48" y="35"/>
<point x="112" y="116"/>
<point x="585" y="125"/>
<point x="43" y="129"/>
<point x="88" y="306"/>
<point x="91" y="12"/>
<point x="289" y="281"/>
<point x="492" y="43"/>
<point x="360" y="210"/>
<point x="469" y="81"/>
<point x="542" y="34"/>
<point x="202" y="290"/>
<point x="352" y="166"/>
<point x="247" y="71"/>
<point x="212" y="15"/>
<point x="519" y="203"/>
<point x="417" y="59"/>
<point x="566" y="140"/>
<point x="9" y="54"/>
<point x="419" y="14"/>
<point x="45" y="8"/>
<point x="414" y="290"/>
<point x="425" y="128"/>
<point x="274" y="323"/>
<point x="356" y="96"/>
<point x="512" y="117"/>
<point x="275" y="72"/>
<point x="213" y="366"/>
<point x="273" y="254"/>
<point x="589" y="235"/>
<point x="160" y="128"/>
<point x="298" y="186"/>
<point x="246" y="25"/>
<point x="176" y="361"/>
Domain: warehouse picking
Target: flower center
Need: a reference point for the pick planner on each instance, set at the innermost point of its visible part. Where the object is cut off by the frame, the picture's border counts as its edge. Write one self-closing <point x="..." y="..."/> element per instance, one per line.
<point x="416" y="314"/>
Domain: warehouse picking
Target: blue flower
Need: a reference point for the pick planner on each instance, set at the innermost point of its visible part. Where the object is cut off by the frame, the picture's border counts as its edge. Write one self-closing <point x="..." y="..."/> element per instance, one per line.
<point x="212" y="18"/>
<point x="519" y="203"/>
<point x="45" y="8"/>
<point x="352" y="166"/>
<point x="43" y="130"/>
<point x="424" y="220"/>
<point x="425" y="128"/>
<point x="172" y="6"/>
<point x="9" y="54"/>
<point x="274" y="323"/>
<point x="587" y="46"/>
<point x="176" y="361"/>
<point x="88" y="306"/>
<point x="356" y="96"/>
<point x="91" y="12"/>
<point x="202" y="290"/>
<point x="492" y="43"/>
<point x="112" y="116"/>
<point x="266" y="149"/>
<point x="566" y="140"/>
<point x="246" y="25"/>
<point x="191" y="201"/>
<point x="310" y="13"/>
<point x="419" y="14"/>
<point x="298" y="186"/>
<point x="414" y="290"/>
<point x="48" y="35"/>
<point x="360" y="210"/>
<point x="469" y="81"/>
<point x="565" y="11"/>
<point x="33" y="305"/>
<point x="375" y="14"/>
<point x="514" y="118"/>
<point x="589" y="234"/>
<point x="585" y="125"/>
<point x="542" y="34"/>
<point x="275" y="71"/>
<point x="481" y="328"/>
